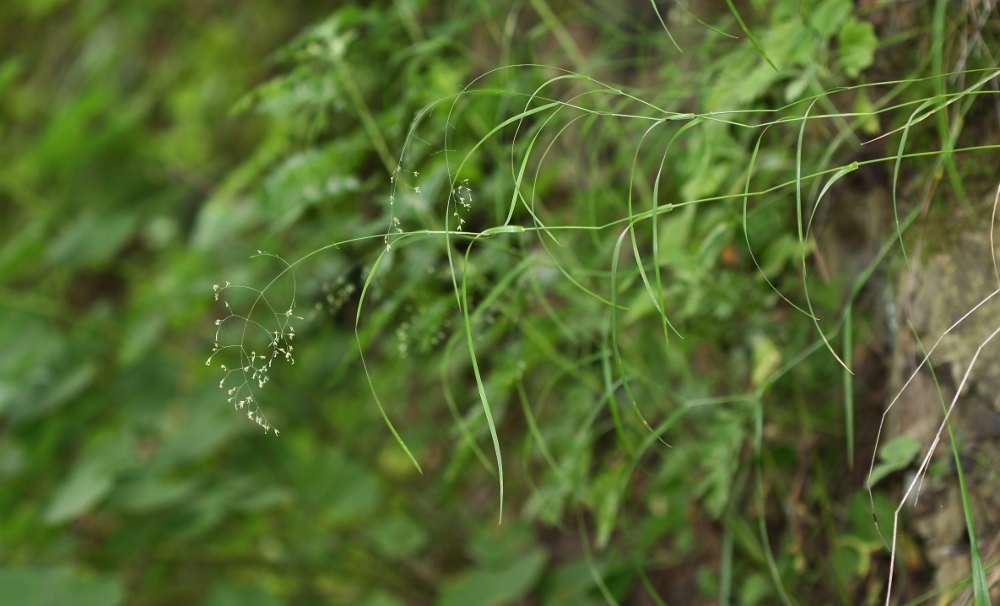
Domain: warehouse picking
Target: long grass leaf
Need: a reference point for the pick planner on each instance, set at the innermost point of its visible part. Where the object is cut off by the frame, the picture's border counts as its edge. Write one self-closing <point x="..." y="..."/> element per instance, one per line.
<point x="750" y="36"/>
<point x="371" y="384"/>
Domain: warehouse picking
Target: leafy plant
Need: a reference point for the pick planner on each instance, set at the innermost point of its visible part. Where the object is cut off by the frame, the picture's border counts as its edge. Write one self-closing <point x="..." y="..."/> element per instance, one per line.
<point x="685" y="272"/>
<point x="600" y="271"/>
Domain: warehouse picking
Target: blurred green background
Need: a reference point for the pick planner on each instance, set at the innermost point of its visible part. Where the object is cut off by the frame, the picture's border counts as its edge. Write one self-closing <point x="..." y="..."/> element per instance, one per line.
<point x="153" y="150"/>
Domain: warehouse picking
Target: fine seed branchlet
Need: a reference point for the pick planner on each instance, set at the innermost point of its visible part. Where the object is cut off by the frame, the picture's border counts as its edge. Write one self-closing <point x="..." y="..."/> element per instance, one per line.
<point x="463" y="201"/>
<point x="396" y="179"/>
<point x="251" y="369"/>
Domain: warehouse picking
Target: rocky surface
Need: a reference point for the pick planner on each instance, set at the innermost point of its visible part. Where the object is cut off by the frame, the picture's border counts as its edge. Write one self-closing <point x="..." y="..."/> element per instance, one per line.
<point x="940" y="289"/>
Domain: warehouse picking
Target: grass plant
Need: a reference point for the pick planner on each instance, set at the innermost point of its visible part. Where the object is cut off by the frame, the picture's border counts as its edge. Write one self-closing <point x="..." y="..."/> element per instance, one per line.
<point x="592" y="286"/>
<point x="593" y="290"/>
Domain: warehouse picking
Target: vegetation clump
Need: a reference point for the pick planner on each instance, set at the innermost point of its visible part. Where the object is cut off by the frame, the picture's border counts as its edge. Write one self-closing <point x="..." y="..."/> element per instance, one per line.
<point x="633" y="280"/>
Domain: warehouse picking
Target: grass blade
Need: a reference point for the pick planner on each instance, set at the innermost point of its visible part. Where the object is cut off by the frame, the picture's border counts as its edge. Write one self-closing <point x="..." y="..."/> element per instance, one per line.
<point x="752" y="38"/>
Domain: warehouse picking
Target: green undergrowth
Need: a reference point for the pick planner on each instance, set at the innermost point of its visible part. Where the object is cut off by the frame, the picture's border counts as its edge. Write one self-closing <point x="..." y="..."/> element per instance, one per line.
<point x="560" y="303"/>
<point x="615" y="294"/>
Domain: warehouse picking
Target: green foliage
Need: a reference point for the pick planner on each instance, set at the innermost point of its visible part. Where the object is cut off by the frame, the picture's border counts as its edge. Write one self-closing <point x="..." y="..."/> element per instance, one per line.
<point x="895" y="455"/>
<point x="857" y="43"/>
<point x="502" y="266"/>
<point x="48" y="587"/>
<point x="226" y="594"/>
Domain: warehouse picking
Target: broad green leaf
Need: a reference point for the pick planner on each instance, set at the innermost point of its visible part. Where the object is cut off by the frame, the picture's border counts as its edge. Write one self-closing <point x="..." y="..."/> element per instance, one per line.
<point x="795" y="88"/>
<point x="605" y="499"/>
<point x="863" y="105"/>
<point x="9" y="71"/>
<point x="778" y="254"/>
<point x="206" y="432"/>
<point x="90" y="480"/>
<point x="230" y="594"/>
<point x="12" y="460"/>
<point x="79" y="493"/>
<point x="895" y="455"/>
<point x="498" y="546"/>
<point x="65" y="389"/>
<point x="57" y="587"/>
<point x="570" y="584"/>
<point x="141" y="335"/>
<point x="381" y="598"/>
<point x="828" y="15"/>
<point x="789" y="44"/>
<point x="860" y="523"/>
<point x="70" y="139"/>
<point x="306" y="179"/>
<point x="92" y="239"/>
<point x="766" y="359"/>
<point x="857" y="42"/>
<point x="494" y="587"/>
<point x="852" y="557"/>
<point x="152" y="493"/>
<point x="720" y="460"/>
<point x="755" y="589"/>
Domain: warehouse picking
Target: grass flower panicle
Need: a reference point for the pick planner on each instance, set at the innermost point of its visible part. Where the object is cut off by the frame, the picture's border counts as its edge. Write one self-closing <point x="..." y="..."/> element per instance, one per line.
<point x="252" y="369"/>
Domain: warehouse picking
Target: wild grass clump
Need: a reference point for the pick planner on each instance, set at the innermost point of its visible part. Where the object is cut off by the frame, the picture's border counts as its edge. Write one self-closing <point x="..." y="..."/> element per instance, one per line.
<point x="637" y="290"/>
